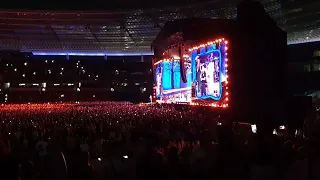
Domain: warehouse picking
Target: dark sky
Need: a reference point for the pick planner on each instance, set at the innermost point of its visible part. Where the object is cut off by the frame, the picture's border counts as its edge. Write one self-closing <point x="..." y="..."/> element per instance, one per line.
<point x="95" y="4"/>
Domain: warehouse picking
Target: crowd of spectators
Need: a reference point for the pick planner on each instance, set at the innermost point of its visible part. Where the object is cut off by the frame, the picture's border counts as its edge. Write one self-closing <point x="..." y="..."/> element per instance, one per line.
<point x="120" y="140"/>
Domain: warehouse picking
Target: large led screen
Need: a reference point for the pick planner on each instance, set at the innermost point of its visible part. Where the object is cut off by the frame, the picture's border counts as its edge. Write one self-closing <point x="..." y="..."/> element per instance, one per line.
<point x="169" y="85"/>
<point x="206" y="73"/>
<point x="210" y="72"/>
<point x="209" y="76"/>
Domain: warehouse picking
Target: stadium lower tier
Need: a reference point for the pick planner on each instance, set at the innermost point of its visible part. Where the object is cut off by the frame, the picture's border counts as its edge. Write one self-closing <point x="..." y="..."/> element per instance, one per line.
<point x="69" y="96"/>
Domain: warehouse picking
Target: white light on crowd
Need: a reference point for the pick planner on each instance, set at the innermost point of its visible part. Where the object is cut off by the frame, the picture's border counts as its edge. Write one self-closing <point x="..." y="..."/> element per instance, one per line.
<point x="34" y="73"/>
<point x="23" y="75"/>
<point x="143" y="90"/>
<point x="112" y="89"/>
<point x="46" y="61"/>
<point x="49" y="71"/>
<point x="274" y="132"/>
<point x="62" y="95"/>
<point x="25" y="63"/>
<point x="78" y="89"/>
<point x="15" y="69"/>
<point x="94" y="96"/>
<point x="61" y="73"/>
<point x="43" y="89"/>
<point x="7" y="85"/>
<point x="62" y="69"/>
<point x="52" y="61"/>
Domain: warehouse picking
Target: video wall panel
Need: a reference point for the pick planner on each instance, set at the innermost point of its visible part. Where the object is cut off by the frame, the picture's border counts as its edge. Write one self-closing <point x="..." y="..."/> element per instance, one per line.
<point x="169" y="86"/>
<point x="206" y="73"/>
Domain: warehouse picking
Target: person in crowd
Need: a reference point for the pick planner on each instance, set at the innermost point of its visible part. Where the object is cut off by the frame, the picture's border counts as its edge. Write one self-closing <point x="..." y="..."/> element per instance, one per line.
<point x="42" y="147"/>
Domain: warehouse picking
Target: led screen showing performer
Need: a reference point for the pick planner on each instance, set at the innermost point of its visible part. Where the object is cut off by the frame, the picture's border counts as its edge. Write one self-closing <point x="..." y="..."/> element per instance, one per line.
<point x="206" y="75"/>
<point x="210" y="72"/>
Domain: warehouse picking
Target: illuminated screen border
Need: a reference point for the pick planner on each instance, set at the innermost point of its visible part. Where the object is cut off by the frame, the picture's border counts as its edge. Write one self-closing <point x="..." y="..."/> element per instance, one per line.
<point x="220" y="64"/>
<point x="203" y="49"/>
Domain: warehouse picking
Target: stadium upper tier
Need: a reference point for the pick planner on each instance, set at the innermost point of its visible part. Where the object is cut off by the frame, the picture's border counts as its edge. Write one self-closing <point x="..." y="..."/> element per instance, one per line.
<point x="132" y="32"/>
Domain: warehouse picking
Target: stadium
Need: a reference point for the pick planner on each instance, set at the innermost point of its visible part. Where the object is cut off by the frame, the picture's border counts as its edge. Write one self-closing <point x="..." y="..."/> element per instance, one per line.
<point x="106" y="38"/>
<point x="151" y="90"/>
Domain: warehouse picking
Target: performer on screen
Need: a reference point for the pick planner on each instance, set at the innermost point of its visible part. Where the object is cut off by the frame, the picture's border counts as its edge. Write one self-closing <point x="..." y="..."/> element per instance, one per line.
<point x="198" y="82"/>
<point x="216" y="79"/>
<point x="217" y="71"/>
<point x="203" y="78"/>
<point x="159" y="76"/>
<point x="212" y="78"/>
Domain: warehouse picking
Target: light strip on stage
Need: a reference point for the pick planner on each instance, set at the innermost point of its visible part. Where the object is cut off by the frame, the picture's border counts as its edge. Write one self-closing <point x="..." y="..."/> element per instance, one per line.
<point x="89" y="54"/>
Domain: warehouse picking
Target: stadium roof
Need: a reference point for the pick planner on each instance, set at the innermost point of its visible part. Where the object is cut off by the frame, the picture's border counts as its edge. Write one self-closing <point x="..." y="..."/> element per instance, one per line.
<point x="132" y="32"/>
